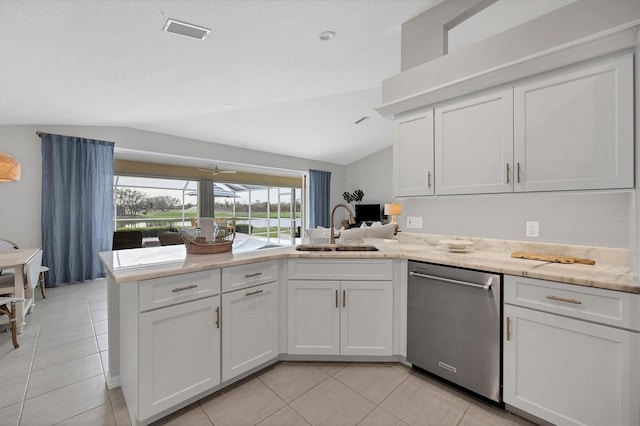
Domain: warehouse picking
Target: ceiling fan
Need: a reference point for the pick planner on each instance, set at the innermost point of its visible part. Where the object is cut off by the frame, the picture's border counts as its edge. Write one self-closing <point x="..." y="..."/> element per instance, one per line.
<point x="216" y="171"/>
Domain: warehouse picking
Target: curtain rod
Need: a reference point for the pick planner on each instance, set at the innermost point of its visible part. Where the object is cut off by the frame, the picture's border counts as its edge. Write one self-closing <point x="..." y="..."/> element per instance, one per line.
<point x="39" y="133"/>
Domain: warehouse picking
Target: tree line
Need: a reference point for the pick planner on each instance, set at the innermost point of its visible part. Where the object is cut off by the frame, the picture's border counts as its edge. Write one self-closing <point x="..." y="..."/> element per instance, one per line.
<point x="132" y="202"/>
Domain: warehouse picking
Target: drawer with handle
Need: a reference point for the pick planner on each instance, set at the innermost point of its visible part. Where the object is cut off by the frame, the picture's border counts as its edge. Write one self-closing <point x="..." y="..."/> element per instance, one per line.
<point x="609" y="307"/>
<point x="243" y="276"/>
<point x="166" y="291"/>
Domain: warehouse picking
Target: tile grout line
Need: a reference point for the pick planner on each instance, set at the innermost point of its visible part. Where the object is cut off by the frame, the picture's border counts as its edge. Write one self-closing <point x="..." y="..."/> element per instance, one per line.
<point x="86" y="300"/>
<point x="33" y="358"/>
<point x="288" y="404"/>
<point x="95" y="336"/>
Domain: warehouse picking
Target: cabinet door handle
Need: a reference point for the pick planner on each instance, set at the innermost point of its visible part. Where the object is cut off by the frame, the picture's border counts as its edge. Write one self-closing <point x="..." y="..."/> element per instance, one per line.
<point x="508" y="172"/>
<point x="428" y="179"/>
<point x="508" y="329"/>
<point x="218" y="317"/>
<point x="336" y="298"/>
<point x="562" y="299"/>
<point x="255" y="274"/>
<point x="344" y="298"/>
<point x="518" y="169"/>
<point x="251" y="293"/>
<point x="189" y="287"/>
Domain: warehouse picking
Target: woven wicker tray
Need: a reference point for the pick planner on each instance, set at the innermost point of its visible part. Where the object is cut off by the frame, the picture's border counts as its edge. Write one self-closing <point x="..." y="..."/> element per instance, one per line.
<point x="222" y="245"/>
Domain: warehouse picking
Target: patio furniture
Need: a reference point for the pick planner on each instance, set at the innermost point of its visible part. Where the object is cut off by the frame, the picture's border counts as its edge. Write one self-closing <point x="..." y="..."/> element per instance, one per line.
<point x="168" y="238"/>
<point x="126" y="240"/>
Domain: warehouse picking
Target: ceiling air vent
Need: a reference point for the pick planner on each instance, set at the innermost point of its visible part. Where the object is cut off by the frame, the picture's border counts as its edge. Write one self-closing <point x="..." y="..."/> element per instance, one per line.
<point x="185" y="29"/>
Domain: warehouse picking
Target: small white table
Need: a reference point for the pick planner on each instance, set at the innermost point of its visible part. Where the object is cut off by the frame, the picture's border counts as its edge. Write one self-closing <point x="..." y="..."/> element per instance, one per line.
<point x="16" y="259"/>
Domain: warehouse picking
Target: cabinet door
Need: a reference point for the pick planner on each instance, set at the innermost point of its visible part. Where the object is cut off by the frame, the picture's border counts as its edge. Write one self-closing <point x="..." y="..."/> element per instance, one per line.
<point x="574" y="130"/>
<point x="568" y="371"/>
<point x="474" y="144"/>
<point x="179" y="354"/>
<point x="314" y="317"/>
<point x="249" y="329"/>
<point x="413" y="156"/>
<point x="366" y="322"/>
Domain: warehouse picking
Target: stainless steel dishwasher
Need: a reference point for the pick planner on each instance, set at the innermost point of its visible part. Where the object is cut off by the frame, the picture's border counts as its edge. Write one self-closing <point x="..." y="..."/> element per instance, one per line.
<point x="454" y="326"/>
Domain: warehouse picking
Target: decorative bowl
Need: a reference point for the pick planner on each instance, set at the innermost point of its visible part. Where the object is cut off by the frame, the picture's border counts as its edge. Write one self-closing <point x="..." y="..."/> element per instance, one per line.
<point x="457" y="244"/>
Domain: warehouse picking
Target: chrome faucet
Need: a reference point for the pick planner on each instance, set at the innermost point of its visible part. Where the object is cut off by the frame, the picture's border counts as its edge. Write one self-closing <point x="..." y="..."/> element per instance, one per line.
<point x="351" y="220"/>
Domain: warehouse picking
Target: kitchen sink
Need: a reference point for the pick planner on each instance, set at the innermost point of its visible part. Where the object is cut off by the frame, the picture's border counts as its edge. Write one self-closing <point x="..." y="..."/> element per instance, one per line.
<point x="335" y="247"/>
<point x="356" y="248"/>
<point x="313" y="247"/>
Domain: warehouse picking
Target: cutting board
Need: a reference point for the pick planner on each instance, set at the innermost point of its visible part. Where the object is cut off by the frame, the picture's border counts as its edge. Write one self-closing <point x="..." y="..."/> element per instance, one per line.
<point x="551" y="258"/>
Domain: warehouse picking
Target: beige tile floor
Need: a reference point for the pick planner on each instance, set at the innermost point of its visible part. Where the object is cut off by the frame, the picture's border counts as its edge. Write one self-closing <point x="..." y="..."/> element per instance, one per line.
<point x="57" y="377"/>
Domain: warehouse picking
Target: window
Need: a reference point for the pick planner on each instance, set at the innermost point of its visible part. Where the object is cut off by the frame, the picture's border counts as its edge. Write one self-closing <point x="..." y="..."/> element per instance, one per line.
<point x="151" y="204"/>
<point x="154" y="204"/>
<point x="272" y="213"/>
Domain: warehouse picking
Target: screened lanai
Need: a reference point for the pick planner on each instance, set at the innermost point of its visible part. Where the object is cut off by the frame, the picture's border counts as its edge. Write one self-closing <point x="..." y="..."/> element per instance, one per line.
<point x="266" y="212"/>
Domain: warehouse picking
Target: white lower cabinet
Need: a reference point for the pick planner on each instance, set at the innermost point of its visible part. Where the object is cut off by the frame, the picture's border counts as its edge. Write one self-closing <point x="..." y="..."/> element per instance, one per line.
<point x="314" y="317"/>
<point x="249" y="328"/>
<point x="340" y="317"/>
<point x="179" y="354"/>
<point x="568" y="370"/>
<point x="366" y="318"/>
<point x="169" y="342"/>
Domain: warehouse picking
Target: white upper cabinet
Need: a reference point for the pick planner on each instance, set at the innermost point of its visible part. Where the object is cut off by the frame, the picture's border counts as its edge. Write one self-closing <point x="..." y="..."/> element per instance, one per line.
<point x="474" y="144"/>
<point x="413" y="156"/>
<point x="574" y="129"/>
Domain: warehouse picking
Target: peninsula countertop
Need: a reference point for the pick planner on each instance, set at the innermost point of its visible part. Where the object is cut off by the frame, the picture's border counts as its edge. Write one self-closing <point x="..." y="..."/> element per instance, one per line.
<point x="610" y="271"/>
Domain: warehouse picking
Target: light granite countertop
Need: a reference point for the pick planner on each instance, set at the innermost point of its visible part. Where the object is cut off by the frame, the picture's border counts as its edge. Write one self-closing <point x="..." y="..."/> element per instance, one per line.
<point x="611" y="270"/>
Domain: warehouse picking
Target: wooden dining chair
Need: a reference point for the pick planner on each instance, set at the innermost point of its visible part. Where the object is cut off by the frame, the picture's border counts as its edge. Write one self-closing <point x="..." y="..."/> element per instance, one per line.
<point x="8" y="308"/>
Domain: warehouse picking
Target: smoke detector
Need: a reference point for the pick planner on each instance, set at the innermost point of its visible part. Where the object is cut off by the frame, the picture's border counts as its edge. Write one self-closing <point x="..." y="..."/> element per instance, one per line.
<point x="326" y="35"/>
<point x="186" y="29"/>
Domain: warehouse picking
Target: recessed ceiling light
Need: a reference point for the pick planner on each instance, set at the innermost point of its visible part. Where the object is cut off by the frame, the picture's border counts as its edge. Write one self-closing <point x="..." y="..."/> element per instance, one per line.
<point x="327" y="35"/>
<point x="228" y="106"/>
<point x="186" y="29"/>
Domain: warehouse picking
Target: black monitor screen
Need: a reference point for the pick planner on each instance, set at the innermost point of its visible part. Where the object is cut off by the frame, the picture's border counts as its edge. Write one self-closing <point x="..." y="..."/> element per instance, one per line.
<point x="368" y="212"/>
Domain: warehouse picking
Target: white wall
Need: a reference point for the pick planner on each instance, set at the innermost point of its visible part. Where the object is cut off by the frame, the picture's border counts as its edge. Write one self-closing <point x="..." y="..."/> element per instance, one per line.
<point x="424" y="37"/>
<point x="634" y="205"/>
<point x="21" y="210"/>
<point x="372" y="175"/>
<point x="542" y="34"/>
<point x="582" y="217"/>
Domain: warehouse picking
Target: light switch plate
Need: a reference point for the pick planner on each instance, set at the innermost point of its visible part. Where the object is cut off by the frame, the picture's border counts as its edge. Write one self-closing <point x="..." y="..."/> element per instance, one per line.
<point x="414" y="222"/>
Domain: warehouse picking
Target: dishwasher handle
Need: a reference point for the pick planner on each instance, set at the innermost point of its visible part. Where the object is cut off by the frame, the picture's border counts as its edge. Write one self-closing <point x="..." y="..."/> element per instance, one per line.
<point x="486" y="286"/>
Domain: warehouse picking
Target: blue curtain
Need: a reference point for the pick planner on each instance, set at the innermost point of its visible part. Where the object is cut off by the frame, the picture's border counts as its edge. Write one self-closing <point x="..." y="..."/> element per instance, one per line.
<point x="319" y="198"/>
<point x="77" y="207"/>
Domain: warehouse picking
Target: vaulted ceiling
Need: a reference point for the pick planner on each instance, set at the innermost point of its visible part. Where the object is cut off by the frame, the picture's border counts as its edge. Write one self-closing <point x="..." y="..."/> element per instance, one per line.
<point x="262" y="79"/>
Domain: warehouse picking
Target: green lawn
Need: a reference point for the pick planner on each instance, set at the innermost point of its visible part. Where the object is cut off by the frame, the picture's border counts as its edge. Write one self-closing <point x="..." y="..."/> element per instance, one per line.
<point x="177" y="215"/>
<point x="171" y="214"/>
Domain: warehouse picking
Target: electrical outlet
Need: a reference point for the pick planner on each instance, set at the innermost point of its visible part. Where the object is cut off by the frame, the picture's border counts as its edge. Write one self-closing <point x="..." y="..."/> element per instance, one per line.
<point x="533" y="230"/>
<point x="414" y="222"/>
